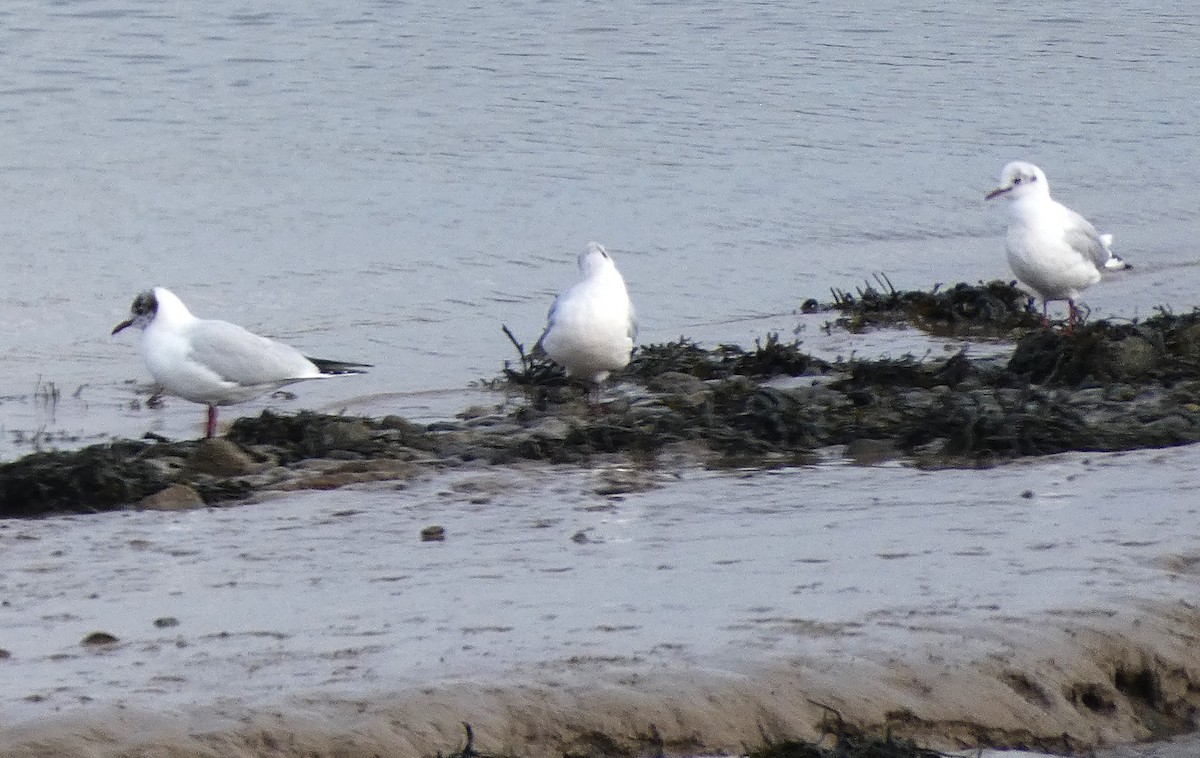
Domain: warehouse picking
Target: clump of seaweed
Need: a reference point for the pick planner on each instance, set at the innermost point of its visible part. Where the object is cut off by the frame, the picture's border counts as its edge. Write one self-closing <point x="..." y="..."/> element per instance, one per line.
<point x="317" y="435"/>
<point x="1102" y="386"/>
<point x="533" y="368"/>
<point x="1163" y="348"/>
<point x="96" y="478"/>
<point x="908" y="371"/>
<point x="770" y="357"/>
<point x="681" y="356"/>
<point x="992" y="306"/>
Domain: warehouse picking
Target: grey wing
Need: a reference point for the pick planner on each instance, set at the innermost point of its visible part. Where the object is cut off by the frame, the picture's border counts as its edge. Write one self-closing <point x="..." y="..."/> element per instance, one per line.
<point x="1084" y="239"/>
<point x="539" y="350"/>
<point x="245" y="358"/>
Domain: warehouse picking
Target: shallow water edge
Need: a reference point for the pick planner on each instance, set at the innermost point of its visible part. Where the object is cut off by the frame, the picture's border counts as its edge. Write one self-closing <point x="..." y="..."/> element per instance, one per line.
<point x="393" y="580"/>
<point x="1100" y="387"/>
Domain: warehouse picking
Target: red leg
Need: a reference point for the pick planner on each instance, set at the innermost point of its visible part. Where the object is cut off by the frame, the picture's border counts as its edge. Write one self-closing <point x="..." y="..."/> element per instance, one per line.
<point x="1045" y="315"/>
<point x="1072" y="316"/>
<point x="211" y="430"/>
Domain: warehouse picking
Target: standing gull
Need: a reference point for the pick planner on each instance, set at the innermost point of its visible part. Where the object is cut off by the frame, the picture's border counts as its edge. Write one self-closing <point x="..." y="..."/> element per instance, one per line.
<point x="1051" y="248"/>
<point x="590" y="328"/>
<point x="215" y="362"/>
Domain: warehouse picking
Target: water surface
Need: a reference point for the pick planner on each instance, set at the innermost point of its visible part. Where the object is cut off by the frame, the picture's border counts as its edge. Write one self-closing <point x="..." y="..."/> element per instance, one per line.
<point x="390" y="182"/>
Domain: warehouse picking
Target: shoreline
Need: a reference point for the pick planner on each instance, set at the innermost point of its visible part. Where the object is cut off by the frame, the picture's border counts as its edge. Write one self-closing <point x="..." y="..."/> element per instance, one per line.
<point x="1052" y="619"/>
<point x="1105" y="387"/>
<point x="323" y="621"/>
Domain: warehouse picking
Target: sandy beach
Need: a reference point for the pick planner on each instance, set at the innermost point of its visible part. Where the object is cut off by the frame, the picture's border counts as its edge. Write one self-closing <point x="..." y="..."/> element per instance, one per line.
<point x="1040" y="606"/>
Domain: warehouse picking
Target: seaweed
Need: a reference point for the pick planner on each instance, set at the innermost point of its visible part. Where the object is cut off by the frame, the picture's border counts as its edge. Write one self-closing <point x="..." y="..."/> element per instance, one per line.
<point x="996" y="306"/>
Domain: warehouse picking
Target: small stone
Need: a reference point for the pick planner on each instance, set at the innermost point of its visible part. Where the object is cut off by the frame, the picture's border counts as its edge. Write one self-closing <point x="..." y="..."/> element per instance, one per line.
<point x="166" y="622"/>
<point x="177" y="497"/>
<point x="433" y="533"/>
<point x="349" y="434"/>
<point x="551" y="428"/>
<point x="676" y="383"/>
<point x="99" y="639"/>
<point x="5" y="654"/>
<point x="392" y="421"/>
<point x="581" y="537"/>
<point x="1027" y="494"/>
<point x="220" y="457"/>
<point x="1130" y="357"/>
<point x="474" y="412"/>
<point x="869" y="452"/>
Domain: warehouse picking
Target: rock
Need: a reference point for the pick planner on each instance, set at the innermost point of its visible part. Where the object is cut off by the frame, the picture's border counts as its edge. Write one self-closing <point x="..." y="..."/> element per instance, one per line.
<point x="351" y="435"/>
<point x="676" y="383"/>
<point x="868" y="452"/>
<point x="1129" y="358"/>
<point x="392" y="421"/>
<point x="433" y="533"/>
<point x="551" y="428"/>
<point x="475" y="411"/>
<point x="351" y="472"/>
<point x="99" y="639"/>
<point x="220" y="457"/>
<point x="177" y="497"/>
<point x="166" y="622"/>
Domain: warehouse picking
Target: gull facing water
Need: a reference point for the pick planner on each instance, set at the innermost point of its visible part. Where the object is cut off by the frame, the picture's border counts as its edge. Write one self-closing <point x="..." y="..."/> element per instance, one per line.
<point x="1051" y="248"/>
<point x="215" y="362"/>
<point x="590" y="328"/>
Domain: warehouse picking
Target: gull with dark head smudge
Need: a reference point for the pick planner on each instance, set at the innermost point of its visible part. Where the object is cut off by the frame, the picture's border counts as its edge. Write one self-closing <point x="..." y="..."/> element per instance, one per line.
<point x="215" y="362"/>
<point x="1052" y="249"/>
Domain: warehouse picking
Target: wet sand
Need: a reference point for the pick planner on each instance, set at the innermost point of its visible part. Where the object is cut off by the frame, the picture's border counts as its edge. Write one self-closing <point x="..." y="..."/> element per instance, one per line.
<point x="1047" y="604"/>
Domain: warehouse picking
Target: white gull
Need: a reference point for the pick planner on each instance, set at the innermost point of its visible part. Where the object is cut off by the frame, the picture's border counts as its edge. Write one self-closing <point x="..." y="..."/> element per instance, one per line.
<point x="1052" y="249"/>
<point x="590" y="329"/>
<point x="215" y="362"/>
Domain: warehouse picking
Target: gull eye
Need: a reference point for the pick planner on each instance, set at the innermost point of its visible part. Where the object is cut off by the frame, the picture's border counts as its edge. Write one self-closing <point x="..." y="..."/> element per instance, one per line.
<point x="1018" y="179"/>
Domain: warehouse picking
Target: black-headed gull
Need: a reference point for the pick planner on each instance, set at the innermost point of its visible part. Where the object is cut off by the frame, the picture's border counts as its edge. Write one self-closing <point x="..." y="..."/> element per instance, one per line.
<point x="215" y="362"/>
<point x="590" y="328"/>
<point x="1051" y="248"/>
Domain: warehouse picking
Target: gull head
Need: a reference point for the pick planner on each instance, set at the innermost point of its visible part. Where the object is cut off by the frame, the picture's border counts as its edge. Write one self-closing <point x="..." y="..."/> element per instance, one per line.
<point x="594" y="259"/>
<point x="157" y="304"/>
<point x="1020" y="179"/>
<point x="142" y="312"/>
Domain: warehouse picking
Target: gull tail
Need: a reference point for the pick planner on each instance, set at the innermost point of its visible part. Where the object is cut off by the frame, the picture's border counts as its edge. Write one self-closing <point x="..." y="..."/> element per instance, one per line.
<point x="336" y="368"/>
<point x="1114" y="262"/>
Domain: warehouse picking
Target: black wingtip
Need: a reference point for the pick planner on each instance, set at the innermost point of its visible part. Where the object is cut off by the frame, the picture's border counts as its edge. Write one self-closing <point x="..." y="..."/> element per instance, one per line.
<point x="334" y="368"/>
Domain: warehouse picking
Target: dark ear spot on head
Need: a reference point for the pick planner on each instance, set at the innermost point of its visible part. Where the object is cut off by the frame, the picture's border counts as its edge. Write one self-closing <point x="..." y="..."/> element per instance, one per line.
<point x="144" y="304"/>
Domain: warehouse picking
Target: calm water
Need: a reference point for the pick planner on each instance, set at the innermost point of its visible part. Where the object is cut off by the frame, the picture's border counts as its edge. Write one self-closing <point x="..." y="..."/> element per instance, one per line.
<point x="390" y="182"/>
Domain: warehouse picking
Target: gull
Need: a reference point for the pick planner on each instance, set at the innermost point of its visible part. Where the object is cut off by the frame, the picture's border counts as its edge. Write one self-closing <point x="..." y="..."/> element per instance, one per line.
<point x="1051" y="248"/>
<point x="590" y="328"/>
<point x="215" y="362"/>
